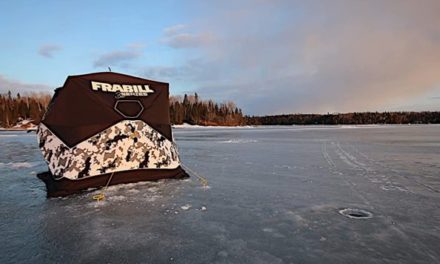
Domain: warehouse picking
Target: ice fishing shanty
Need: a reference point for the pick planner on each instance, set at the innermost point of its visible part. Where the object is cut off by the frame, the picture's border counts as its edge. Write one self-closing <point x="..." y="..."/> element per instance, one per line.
<point x="103" y="126"/>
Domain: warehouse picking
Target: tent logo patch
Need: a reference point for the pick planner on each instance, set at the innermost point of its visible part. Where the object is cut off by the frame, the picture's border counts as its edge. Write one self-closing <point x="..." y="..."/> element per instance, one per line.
<point x="122" y="90"/>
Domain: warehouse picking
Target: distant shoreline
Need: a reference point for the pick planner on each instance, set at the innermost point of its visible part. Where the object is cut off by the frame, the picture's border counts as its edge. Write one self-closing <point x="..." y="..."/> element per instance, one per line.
<point x="347" y="119"/>
<point x="353" y="118"/>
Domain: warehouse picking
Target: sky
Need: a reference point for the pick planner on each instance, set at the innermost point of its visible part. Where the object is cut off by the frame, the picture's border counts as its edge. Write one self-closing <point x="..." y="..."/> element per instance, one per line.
<point x="268" y="56"/>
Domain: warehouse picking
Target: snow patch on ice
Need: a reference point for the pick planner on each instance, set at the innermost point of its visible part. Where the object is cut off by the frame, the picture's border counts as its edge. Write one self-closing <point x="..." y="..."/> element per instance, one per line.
<point x="186" y="207"/>
<point x="19" y="165"/>
<point x="361" y="126"/>
<point x="205" y="187"/>
<point x="185" y="125"/>
<point x="133" y="191"/>
<point x="152" y="198"/>
<point x="301" y="221"/>
<point x="132" y="187"/>
<point x="116" y="198"/>
<point x="239" y="141"/>
<point x="95" y="204"/>
<point x="153" y="189"/>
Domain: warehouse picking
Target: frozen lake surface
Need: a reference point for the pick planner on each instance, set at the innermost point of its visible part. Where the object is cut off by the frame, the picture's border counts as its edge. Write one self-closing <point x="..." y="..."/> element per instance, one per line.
<point x="276" y="195"/>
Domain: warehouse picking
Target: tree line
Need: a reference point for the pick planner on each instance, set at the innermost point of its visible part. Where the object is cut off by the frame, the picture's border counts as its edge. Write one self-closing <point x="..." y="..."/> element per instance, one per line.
<point x="13" y="108"/>
<point x="347" y="118"/>
<point x="193" y="110"/>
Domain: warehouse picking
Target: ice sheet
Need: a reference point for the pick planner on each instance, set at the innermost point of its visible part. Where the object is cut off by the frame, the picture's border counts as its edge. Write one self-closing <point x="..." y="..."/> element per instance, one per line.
<point x="275" y="196"/>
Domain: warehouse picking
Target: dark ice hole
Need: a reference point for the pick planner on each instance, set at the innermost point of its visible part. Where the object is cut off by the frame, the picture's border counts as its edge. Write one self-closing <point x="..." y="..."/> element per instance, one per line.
<point x="355" y="213"/>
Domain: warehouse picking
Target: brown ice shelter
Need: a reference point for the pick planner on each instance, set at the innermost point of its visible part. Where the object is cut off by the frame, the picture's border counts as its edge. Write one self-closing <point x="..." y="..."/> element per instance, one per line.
<point x="107" y="126"/>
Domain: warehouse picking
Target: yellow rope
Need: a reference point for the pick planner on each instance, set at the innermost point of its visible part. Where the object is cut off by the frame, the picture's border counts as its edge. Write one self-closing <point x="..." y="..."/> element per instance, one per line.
<point x="101" y="196"/>
<point x="201" y="179"/>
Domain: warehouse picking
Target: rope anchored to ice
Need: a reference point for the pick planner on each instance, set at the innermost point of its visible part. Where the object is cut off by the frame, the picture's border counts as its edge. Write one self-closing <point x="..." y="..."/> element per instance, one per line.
<point x="201" y="179"/>
<point x="101" y="196"/>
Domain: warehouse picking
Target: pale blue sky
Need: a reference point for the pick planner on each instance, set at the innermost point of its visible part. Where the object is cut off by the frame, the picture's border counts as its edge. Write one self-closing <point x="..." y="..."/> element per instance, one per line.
<point x="268" y="56"/>
<point x="82" y="31"/>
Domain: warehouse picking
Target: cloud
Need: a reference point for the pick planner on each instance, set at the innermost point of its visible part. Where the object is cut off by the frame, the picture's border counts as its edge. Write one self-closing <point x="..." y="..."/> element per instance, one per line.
<point x="48" y="50"/>
<point x="7" y="84"/>
<point x="193" y="70"/>
<point x="161" y="72"/>
<point x="173" y="30"/>
<point x="119" y="57"/>
<point x="313" y="56"/>
<point x="177" y="38"/>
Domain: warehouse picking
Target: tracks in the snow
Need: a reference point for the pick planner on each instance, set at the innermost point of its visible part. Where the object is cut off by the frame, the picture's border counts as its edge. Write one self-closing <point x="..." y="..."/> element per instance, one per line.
<point x="361" y="165"/>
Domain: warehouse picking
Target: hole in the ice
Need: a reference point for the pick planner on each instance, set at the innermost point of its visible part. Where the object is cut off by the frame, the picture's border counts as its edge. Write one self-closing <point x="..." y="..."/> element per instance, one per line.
<point x="355" y="213"/>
